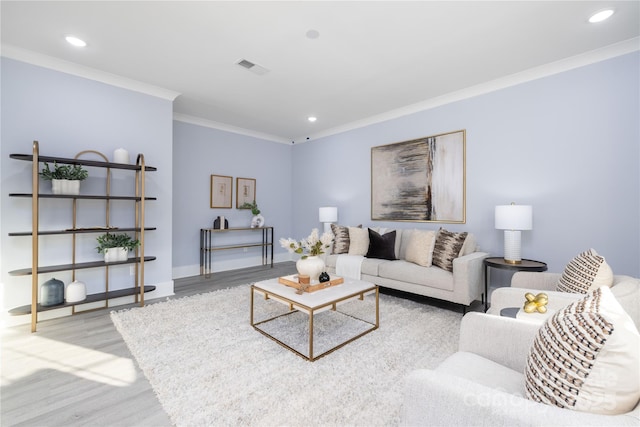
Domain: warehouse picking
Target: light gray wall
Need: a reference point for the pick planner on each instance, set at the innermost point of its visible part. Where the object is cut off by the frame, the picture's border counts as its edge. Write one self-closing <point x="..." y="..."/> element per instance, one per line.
<point x="567" y="144"/>
<point x="199" y="152"/>
<point x="69" y="114"/>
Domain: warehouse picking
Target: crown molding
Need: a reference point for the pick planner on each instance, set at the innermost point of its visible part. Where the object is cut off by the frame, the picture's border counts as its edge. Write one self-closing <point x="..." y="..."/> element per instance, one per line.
<point x="587" y="58"/>
<point x="67" y="67"/>
<point x="227" y="128"/>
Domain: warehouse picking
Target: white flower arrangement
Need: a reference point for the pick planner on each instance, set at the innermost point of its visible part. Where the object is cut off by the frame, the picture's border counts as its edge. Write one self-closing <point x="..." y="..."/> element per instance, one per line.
<point x="311" y="246"/>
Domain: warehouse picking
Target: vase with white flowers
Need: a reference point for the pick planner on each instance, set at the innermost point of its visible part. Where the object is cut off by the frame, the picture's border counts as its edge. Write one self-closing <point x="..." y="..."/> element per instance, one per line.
<point x="310" y="263"/>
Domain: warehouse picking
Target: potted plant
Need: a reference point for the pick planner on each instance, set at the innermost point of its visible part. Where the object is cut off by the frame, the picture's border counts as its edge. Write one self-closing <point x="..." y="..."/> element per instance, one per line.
<point x="257" y="220"/>
<point x="116" y="247"/>
<point x="65" y="179"/>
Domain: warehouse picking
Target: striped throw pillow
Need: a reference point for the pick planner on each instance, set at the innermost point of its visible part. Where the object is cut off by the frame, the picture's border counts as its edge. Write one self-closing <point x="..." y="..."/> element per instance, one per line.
<point x="585" y="358"/>
<point x="447" y="248"/>
<point x="584" y="273"/>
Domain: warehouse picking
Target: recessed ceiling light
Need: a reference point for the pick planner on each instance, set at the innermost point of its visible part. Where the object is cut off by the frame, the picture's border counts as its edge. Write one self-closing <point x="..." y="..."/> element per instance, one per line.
<point x="601" y="16"/>
<point x="313" y="34"/>
<point x="312" y="119"/>
<point x="73" y="40"/>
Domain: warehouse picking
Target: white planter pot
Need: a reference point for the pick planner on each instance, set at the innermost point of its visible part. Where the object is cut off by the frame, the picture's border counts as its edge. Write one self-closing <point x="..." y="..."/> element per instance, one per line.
<point x="311" y="266"/>
<point x="115" y="254"/>
<point x="257" y="221"/>
<point x="65" y="186"/>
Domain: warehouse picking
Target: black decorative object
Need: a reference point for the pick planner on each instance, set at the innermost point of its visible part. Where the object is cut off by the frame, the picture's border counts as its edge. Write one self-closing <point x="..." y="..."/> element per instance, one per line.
<point x="52" y="293"/>
<point x="324" y="277"/>
<point x="218" y="220"/>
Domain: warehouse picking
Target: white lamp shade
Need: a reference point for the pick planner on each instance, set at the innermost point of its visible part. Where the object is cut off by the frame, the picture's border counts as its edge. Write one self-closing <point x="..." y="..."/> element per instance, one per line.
<point x="514" y="217"/>
<point x="328" y="214"/>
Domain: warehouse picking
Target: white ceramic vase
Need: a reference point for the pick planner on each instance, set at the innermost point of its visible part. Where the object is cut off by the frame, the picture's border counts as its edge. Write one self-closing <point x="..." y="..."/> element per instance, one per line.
<point x="65" y="186"/>
<point x="311" y="266"/>
<point x="115" y="254"/>
<point x="76" y="291"/>
<point x="257" y="221"/>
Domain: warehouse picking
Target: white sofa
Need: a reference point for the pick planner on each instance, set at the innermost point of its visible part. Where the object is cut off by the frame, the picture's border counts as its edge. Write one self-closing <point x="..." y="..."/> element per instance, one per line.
<point x="462" y="286"/>
<point x="483" y="383"/>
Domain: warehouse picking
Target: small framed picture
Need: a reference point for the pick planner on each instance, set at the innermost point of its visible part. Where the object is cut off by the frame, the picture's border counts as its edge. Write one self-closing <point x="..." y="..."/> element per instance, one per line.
<point x="245" y="191"/>
<point x="221" y="191"/>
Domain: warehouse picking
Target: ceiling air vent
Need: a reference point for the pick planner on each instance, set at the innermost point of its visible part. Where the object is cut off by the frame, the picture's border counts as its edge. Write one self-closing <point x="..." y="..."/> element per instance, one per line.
<point x="254" y="68"/>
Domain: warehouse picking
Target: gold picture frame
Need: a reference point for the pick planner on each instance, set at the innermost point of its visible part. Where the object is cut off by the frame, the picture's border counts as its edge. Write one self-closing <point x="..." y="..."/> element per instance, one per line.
<point x="221" y="191"/>
<point x="245" y="191"/>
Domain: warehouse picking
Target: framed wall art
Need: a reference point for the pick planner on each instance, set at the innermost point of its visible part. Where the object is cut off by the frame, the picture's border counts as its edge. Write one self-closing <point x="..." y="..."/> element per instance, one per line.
<point x="221" y="191"/>
<point x="245" y="191"/>
<point x="422" y="180"/>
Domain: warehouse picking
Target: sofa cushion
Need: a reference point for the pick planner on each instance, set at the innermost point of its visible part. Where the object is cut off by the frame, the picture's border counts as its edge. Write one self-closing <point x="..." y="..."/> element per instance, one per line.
<point x="420" y="247"/>
<point x="586" y="358"/>
<point x="404" y="271"/>
<point x="382" y="246"/>
<point x="371" y="266"/>
<point x="447" y="248"/>
<point x="483" y="371"/>
<point x="358" y="241"/>
<point x="584" y="273"/>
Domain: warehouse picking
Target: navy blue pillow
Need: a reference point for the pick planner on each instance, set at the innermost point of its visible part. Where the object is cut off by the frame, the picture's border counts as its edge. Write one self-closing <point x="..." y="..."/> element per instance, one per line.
<point x="382" y="246"/>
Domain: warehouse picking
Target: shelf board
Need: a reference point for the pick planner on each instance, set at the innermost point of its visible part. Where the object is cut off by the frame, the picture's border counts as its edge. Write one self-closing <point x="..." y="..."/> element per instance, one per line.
<point x="102" y="296"/>
<point x="77" y="266"/>
<point x="83" y="162"/>
<point x="81" y="231"/>
<point x="248" y="245"/>
<point x="80" y="196"/>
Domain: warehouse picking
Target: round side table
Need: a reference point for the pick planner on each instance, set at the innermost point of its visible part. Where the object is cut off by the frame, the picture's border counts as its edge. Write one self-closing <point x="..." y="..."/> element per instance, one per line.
<point x="500" y="263"/>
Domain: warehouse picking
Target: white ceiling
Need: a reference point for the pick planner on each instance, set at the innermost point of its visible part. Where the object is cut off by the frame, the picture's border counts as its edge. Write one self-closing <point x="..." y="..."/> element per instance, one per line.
<point x="372" y="60"/>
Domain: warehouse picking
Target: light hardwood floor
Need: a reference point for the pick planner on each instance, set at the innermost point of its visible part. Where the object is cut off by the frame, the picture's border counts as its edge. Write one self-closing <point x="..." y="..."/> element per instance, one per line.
<point x="77" y="370"/>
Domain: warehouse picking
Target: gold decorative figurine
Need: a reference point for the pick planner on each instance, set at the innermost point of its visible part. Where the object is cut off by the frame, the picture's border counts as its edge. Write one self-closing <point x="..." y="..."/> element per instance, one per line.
<point x="535" y="303"/>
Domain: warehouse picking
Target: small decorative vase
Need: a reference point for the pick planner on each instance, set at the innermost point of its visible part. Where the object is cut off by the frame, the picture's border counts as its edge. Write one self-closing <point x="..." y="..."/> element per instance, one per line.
<point x="52" y="292"/>
<point x="65" y="186"/>
<point x="76" y="291"/>
<point x="257" y="221"/>
<point x="312" y="266"/>
<point x="121" y="155"/>
<point x="324" y="277"/>
<point x="115" y="254"/>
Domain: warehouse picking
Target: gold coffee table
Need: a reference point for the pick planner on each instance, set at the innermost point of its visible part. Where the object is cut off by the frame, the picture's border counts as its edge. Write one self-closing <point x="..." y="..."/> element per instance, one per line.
<point x="312" y="304"/>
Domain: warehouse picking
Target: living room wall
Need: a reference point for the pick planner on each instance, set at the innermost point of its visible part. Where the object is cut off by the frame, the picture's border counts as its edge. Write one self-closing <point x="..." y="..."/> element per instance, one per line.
<point x="567" y="144"/>
<point x="199" y="152"/>
<point x="68" y="114"/>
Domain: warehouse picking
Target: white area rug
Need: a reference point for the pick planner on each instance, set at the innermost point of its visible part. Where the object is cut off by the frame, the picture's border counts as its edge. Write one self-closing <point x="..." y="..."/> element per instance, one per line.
<point x="209" y="367"/>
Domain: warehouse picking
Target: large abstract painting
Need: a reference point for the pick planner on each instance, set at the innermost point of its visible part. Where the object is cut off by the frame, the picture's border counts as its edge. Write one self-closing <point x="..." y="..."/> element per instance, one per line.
<point x="420" y="180"/>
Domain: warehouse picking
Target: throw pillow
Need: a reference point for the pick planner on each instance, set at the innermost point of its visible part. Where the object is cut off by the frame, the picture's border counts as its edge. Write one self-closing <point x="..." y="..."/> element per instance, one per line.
<point x="358" y="241"/>
<point x="585" y="358"/>
<point x="382" y="246"/>
<point x="340" y="240"/>
<point x="584" y="273"/>
<point x="420" y="247"/>
<point x="447" y="248"/>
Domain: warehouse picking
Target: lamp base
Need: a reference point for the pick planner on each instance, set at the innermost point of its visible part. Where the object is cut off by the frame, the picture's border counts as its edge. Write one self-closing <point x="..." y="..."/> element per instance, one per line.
<point x="512" y="247"/>
<point x="327" y="227"/>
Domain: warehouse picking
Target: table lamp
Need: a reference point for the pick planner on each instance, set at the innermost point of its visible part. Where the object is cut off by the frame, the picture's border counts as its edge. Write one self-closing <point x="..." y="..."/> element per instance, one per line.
<point x="513" y="218"/>
<point x="327" y="215"/>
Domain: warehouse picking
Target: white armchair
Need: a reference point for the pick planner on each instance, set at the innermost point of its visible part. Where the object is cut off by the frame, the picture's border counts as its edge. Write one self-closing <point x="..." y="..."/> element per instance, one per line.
<point x="483" y="383"/>
<point x="626" y="289"/>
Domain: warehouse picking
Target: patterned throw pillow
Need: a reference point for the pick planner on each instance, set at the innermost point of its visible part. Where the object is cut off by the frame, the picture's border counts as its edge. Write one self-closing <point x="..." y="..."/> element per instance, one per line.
<point x="584" y="273"/>
<point x="585" y="358"/>
<point x="382" y="246"/>
<point x="341" y="239"/>
<point x="420" y="247"/>
<point x="447" y="248"/>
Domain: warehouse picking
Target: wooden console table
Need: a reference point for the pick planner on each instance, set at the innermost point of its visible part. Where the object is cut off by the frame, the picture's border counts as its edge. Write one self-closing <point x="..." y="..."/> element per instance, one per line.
<point x="207" y="247"/>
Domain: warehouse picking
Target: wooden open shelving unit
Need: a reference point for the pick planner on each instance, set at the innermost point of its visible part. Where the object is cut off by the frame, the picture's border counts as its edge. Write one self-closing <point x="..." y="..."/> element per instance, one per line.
<point x="139" y="289"/>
